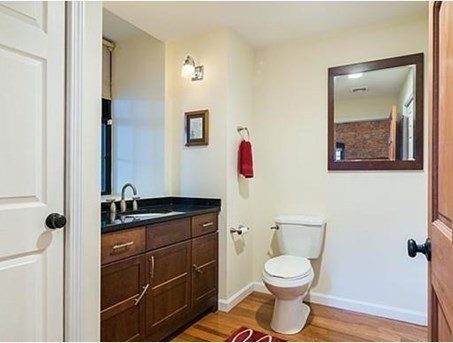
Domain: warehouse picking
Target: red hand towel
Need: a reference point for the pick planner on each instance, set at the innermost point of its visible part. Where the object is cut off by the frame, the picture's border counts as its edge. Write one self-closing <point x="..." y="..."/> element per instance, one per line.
<point x="245" y="159"/>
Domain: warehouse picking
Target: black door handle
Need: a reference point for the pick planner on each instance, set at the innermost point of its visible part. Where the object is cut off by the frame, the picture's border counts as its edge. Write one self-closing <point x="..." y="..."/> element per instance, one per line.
<point x="413" y="248"/>
<point x="55" y="221"/>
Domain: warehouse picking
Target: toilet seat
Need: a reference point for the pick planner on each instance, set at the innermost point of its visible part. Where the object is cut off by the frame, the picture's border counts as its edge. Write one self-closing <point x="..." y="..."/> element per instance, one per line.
<point x="288" y="271"/>
<point x="287" y="266"/>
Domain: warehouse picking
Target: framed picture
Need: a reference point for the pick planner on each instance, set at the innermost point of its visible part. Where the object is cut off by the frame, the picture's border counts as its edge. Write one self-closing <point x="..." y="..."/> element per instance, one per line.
<point x="197" y="128"/>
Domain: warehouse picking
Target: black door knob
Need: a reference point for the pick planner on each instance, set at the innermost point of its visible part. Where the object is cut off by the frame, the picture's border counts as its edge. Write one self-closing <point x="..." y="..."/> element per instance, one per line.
<point x="413" y="248"/>
<point x="55" y="221"/>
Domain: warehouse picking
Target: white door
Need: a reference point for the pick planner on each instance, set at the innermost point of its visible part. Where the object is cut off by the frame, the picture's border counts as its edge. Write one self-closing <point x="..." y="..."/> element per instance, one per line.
<point x="31" y="169"/>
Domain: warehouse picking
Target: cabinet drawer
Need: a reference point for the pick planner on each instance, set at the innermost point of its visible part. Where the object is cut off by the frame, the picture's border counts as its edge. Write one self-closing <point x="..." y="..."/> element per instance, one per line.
<point x="162" y="234"/>
<point x="122" y="244"/>
<point x="204" y="223"/>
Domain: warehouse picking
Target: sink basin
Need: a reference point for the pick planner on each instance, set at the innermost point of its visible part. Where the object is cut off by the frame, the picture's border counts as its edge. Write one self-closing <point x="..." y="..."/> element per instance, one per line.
<point x="151" y="214"/>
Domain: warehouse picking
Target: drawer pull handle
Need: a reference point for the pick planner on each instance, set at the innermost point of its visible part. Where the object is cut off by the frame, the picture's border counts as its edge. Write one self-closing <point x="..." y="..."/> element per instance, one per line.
<point x="207" y="224"/>
<point x="152" y="266"/>
<point x="197" y="269"/>
<point x="141" y="295"/>
<point x="122" y="245"/>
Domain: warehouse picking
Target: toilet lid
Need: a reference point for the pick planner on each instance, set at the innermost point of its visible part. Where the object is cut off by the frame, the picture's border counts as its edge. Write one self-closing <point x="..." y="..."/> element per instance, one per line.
<point x="288" y="267"/>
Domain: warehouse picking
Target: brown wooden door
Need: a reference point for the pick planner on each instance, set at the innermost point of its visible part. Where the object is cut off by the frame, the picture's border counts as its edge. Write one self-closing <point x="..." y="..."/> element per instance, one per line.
<point x="123" y="285"/>
<point x="168" y="299"/>
<point x="204" y="271"/>
<point x="441" y="173"/>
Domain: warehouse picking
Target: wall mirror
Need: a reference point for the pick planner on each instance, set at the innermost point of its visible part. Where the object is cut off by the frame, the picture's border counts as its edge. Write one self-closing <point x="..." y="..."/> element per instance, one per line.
<point x="375" y="114"/>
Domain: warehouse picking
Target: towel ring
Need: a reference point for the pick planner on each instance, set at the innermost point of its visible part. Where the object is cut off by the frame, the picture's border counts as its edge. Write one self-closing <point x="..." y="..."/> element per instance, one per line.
<point x="243" y="128"/>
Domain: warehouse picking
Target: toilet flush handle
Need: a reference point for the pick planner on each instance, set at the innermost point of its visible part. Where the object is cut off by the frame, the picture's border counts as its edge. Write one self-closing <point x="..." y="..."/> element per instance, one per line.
<point x="275" y="227"/>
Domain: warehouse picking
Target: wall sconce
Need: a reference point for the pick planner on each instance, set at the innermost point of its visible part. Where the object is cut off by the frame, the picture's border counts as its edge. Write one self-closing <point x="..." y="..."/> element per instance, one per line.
<point x="189" y="70"/>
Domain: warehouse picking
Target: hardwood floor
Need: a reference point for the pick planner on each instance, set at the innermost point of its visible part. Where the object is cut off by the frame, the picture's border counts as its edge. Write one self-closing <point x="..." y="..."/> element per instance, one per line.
<point x="324" y="324"/>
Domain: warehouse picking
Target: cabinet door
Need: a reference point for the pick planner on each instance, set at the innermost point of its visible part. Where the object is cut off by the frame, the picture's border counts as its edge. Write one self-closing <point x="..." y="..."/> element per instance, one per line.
<point x="168" y="300"/>
<point x="205" y="272"/>
<point x="123" y="286"/>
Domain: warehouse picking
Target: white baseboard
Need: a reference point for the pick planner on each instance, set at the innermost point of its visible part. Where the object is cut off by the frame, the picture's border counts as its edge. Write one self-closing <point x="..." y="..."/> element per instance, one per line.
<point x="391" y="312"/>
<point x="385" y="311"/>
<point x="225" y="305"/>
<point x="259" y="287"/>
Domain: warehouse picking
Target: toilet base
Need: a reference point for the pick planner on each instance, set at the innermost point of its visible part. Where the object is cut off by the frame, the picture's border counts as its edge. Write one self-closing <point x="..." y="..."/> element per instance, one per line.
<point x="290" y="315"/>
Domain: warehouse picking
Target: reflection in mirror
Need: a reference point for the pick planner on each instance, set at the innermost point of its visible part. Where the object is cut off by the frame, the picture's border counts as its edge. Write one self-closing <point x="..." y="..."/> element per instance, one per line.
<point x="374" y="115"/>
<point x="133" y="112"/>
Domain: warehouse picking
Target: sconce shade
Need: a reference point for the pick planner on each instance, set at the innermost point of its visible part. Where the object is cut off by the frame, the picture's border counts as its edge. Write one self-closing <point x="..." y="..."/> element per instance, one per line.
<point x="188" y="68"/>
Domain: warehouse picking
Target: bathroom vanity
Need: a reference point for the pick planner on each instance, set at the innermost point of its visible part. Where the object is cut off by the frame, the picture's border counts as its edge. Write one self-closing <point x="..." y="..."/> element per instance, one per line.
<point x="159" y="267"/>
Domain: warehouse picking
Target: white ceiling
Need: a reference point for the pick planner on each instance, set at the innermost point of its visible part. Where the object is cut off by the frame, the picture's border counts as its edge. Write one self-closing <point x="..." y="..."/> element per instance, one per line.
<point x="115" y="29"/>
<point x="381" y="83"/>
<point x="261" y="23"/>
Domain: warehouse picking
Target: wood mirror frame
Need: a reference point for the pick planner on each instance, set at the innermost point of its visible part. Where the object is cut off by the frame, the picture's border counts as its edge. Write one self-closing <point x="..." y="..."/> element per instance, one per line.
<point x="417" y="164"/>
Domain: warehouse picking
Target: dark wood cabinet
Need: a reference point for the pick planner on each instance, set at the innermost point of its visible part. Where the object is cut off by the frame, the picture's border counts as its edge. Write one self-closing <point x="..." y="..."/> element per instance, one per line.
<point x="162" y="234"/>
<point x="123" y="288"/>
<point x="116" y="246"/>
<point x="205" y="271"/>
<point x="204" y="224"/>
<point x="167" y="284"/>
<point x="168" y="300"/>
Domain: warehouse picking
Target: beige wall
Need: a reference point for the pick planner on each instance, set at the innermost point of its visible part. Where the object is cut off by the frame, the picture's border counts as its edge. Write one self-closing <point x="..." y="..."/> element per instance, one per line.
<point x="199" y="171"/>
<point x="138" y="72"/>
<point x="370" y="215"/>
<point x="240" y="111"/>
<point x="366" y="108"/>
<point x="210" y="171"/>
<point x="406" y="91"/>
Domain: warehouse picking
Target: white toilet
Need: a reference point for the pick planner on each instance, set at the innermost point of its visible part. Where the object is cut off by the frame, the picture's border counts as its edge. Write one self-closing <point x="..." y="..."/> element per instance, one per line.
<point x="290" y="275"/>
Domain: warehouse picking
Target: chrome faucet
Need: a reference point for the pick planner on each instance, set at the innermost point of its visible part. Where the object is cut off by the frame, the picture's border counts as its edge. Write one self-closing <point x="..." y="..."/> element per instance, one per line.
<point x="134" y="198"/>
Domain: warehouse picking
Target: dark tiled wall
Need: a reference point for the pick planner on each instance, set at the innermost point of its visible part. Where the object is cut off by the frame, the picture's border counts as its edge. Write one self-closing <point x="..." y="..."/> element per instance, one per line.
<point x="364" y="139"/>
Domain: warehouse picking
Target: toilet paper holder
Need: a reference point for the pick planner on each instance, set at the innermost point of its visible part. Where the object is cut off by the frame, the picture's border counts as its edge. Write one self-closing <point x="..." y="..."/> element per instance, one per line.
<point x="242" y="229"/>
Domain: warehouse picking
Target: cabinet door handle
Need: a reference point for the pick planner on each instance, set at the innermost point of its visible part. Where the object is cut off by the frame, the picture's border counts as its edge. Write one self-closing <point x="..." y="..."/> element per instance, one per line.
<point x="141" y="295"/>
<point x="122" y="245"/>
<point x="152" y="266"/>
<point x="197" y="269"/>
<point x="207" y="224"/>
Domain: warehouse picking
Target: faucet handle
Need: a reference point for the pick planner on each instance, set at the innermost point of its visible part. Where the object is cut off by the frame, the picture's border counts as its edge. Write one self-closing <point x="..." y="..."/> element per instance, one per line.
<point x="134" y="202"/>
<point x="111" y="201"/>
<point x="123" y="206"/>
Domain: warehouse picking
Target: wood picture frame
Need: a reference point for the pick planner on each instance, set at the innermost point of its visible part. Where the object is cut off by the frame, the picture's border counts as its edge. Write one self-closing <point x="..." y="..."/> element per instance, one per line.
<point x="197" y="127"/>
<point x="417" y="164"/>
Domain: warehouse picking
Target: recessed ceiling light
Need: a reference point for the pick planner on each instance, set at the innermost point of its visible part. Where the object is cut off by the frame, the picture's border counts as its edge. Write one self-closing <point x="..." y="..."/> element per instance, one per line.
<point x="355" y="76"/>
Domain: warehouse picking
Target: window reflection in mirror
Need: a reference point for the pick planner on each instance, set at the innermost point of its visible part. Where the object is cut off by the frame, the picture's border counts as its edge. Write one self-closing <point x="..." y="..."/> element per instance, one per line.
<point x="374" y="114"/>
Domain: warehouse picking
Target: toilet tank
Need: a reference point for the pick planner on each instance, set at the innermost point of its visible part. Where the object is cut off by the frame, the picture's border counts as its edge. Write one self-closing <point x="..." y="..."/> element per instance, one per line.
<point x="300" y="235"/>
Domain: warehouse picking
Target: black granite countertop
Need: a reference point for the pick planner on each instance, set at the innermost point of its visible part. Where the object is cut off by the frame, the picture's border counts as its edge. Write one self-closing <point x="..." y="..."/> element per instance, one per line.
<point x="155" y="210"/>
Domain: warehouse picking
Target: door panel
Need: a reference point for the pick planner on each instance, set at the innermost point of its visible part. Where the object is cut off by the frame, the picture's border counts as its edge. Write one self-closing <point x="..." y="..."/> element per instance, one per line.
<point x="169" y="298"/>
<point x="441" y="175"/>
<point x="443" y="328"/>
<point x="32" y="169"/>
<point x="122" y="303"/>
<point x="25" y="304"/>
<point x="27" y="11"/>
<point x="205" y="270"/>
<point x="445" y="116"/>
